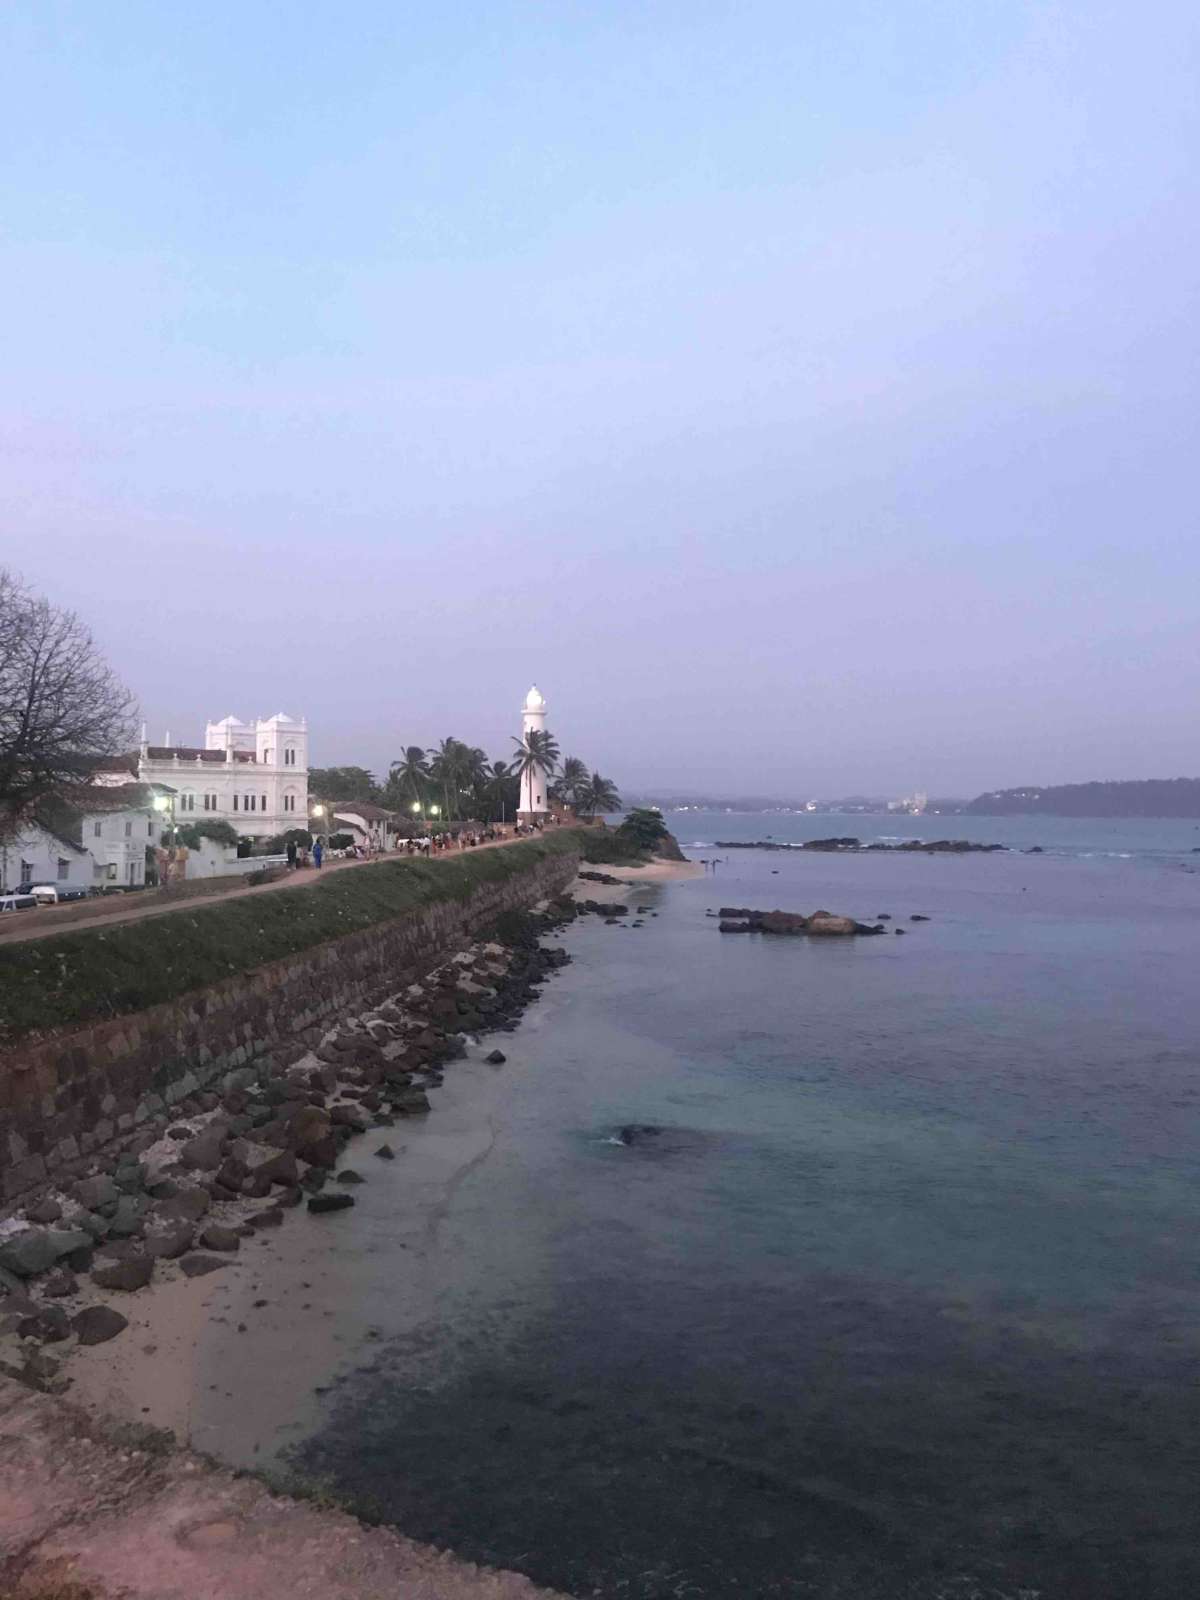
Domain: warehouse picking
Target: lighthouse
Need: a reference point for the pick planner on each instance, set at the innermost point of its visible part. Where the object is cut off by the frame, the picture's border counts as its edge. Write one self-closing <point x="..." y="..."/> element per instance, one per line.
<point x="534" y="783"/>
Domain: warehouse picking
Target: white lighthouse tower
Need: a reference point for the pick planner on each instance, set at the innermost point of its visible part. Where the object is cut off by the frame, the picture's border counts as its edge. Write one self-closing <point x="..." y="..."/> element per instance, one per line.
<point x="534" y="783"/>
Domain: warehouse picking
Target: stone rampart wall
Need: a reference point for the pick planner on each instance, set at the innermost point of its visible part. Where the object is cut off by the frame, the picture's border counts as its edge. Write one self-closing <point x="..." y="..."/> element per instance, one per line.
<point x="65" y="1097"/>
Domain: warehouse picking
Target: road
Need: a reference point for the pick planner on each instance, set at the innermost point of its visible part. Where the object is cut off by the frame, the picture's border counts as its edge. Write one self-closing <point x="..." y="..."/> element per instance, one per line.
<point x="18" y="927"/>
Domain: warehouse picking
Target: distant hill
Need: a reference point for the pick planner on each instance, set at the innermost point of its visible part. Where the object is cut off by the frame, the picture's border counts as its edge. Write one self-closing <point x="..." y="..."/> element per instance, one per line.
<point x="1148" y="797"/>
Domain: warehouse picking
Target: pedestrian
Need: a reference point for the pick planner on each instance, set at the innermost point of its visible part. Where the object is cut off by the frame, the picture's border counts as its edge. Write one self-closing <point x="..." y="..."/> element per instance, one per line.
<point x="291" y="855"/>
<point x="318" y="852"/>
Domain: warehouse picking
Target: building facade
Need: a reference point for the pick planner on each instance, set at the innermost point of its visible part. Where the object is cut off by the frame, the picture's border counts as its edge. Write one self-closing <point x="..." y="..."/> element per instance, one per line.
<point x="253" y="775"/>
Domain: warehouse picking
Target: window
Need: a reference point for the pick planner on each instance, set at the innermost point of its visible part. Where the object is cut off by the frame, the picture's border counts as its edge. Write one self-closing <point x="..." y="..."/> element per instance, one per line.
<point x="27" y="872"/>
<point x="264" y="802"/>
<point x="289" y="802"/>
<point x="235" y="802"/>
<point x="97" y="829"/>
<point x="129" y="830"/>
<point x="150" y="828"/>
<point x="64" y="868"/>
<point x="187" y="802"/>
<point x="289" y="756"/>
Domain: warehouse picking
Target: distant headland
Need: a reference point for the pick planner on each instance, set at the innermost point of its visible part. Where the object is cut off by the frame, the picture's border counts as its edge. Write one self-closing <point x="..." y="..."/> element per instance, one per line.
<point x="1144" y="797"/>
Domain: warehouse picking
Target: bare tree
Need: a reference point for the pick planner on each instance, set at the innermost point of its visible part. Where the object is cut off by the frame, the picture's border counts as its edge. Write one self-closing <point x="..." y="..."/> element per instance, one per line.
<point x="61" y="707"/>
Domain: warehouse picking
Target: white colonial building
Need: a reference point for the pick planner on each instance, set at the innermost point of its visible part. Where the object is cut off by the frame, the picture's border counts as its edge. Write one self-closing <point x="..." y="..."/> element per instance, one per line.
<point x="253" y="775"/>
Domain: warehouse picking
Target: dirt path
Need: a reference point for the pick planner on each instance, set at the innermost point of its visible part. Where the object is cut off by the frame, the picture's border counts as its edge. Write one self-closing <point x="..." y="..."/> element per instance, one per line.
<point x="89" y="1512"/>
<point x="21" y="926"/>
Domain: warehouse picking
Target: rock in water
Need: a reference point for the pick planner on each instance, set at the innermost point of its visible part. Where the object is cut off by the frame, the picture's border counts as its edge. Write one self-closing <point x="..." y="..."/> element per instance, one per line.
<point x="98" y="1324"/>
<point x="386" y="1153"/>
<point x="330" y="1202"/>
<point x="348" y="1175"/>
<point x="495" y="1058"/>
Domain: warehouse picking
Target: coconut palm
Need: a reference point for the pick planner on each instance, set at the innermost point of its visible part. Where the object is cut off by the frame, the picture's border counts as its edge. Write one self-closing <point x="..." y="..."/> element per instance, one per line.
<point x="498" y="786"/>
<point x="411" y="773"/>
<point x="571" y="780"/>
<point x="446" y="770"/>
<point x="597" y="795"/>
<point x="537" y="752"/>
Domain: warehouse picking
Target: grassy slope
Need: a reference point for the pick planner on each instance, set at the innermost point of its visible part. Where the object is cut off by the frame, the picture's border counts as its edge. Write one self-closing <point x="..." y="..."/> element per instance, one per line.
<point x="105" y="972"/>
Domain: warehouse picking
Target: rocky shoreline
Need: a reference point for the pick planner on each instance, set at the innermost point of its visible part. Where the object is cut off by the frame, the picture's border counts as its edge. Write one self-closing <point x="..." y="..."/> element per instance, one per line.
<point x="181" y="1197"/>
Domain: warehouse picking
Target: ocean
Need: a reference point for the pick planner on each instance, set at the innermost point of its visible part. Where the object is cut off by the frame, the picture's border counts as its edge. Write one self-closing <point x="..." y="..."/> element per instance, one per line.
<point x="890" y="1288"/>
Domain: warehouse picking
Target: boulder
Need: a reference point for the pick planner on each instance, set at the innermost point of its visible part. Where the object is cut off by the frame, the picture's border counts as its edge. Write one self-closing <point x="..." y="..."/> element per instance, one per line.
<point x="348" y="1175"/>
<point x="322" y="1153"/>
<point x="279" y="1169"/>
<point x="38" y="1249"/>
<point x="386" y="1153"/>
<point x="171" y="1242"/>
<point x="792" y="923"/>
<point x="204" y="1151"/>
<point x="330" y="1202"/>
<point x="726" y="926"/>
<point x="495" y="1058"/>
<point x="189" y="1204"/>
<point x="59" y="1283"/>
<point x="126" y="1220"/>
<point x="44" y="1211"/>
<point x="197" y="1266"/>
<point x="98" y="1324"/>
<point x="125" y="1275"/>
<point x="232" y="1173"/>
<point x="825" y="925"/>
<point x="49" y="1325"/>
<point x="216" y="1237"/>
<point x="98" y="1191"/>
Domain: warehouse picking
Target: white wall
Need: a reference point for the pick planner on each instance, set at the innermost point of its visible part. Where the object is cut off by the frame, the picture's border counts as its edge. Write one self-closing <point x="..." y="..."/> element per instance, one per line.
<point x="38" y="857"/>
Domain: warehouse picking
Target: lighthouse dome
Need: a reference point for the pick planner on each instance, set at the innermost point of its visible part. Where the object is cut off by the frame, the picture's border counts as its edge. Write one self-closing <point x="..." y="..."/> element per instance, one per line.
<point x="534" y="700"/>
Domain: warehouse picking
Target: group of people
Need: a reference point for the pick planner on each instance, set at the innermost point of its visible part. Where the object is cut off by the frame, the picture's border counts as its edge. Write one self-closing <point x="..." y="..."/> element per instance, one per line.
<point x="428" y="844"/>
<point x="464" y="839"/>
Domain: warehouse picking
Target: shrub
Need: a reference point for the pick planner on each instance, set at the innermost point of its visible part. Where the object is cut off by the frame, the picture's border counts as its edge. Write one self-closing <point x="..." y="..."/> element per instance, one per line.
<point x="340" y="841"/>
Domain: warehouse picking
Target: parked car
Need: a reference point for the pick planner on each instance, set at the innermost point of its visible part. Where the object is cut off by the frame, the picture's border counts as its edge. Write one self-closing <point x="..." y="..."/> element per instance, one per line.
<point x="17" y="901"/>
<point x="49" y="894"/>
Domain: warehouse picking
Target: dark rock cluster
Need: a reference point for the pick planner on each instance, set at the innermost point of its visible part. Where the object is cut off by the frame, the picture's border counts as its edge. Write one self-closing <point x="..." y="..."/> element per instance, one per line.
<point x="267" y="1139"/>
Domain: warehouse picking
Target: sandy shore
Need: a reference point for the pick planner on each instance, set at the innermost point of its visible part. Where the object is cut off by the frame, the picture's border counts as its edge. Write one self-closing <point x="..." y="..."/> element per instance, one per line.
<point x="655" y="872"/>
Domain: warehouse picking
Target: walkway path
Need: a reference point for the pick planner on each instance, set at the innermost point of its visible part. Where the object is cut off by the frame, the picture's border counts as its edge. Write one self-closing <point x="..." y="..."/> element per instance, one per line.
<point x="19" y="926"/>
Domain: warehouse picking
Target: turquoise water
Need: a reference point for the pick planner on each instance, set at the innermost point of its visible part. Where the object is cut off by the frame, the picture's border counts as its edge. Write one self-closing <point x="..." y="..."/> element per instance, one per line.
<point x="902" y="1300"/>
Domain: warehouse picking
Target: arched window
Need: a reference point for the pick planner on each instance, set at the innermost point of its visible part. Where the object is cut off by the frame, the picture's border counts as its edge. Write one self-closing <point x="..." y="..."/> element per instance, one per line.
<point x="289" y="756"/>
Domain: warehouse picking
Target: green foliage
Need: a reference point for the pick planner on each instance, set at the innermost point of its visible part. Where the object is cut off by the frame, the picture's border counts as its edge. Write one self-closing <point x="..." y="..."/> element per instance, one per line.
<point x="344" y="783"/>
<point x="110" y="971"/>
<point x="192" y="834"/>
<point x="644" y="828"/>
<point x="603" y="848"/>
<point x="338" y="841"/>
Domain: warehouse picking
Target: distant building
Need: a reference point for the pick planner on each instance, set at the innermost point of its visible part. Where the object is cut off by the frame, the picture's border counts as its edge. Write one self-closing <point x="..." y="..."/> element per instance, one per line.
<point x="93" y="838"/>
<point x="368" y="825"/>
<point x="253" y="775"/>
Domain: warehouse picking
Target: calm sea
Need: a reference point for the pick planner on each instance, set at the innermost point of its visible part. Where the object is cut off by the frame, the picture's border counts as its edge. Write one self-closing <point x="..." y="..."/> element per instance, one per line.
<point x="902" y="1300"/>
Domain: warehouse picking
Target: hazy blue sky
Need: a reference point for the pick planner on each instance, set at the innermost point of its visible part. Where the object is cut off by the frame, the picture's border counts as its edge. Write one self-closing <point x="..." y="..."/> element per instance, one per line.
<point x="805" y="395"/>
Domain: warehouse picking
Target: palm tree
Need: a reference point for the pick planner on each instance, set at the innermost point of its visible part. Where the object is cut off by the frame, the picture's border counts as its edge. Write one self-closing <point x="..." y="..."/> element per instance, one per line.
<point x="537" y="752"/>
<point x="445" y="768"/>
<point x="499" y="780"/>
<point x="571" y="780"/>
<point x="599" y="794"/>
<point x="412" y="773"/>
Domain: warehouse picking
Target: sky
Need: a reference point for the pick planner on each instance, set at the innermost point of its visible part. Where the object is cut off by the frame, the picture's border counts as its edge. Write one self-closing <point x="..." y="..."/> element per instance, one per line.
<point x="804" y="396"/>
